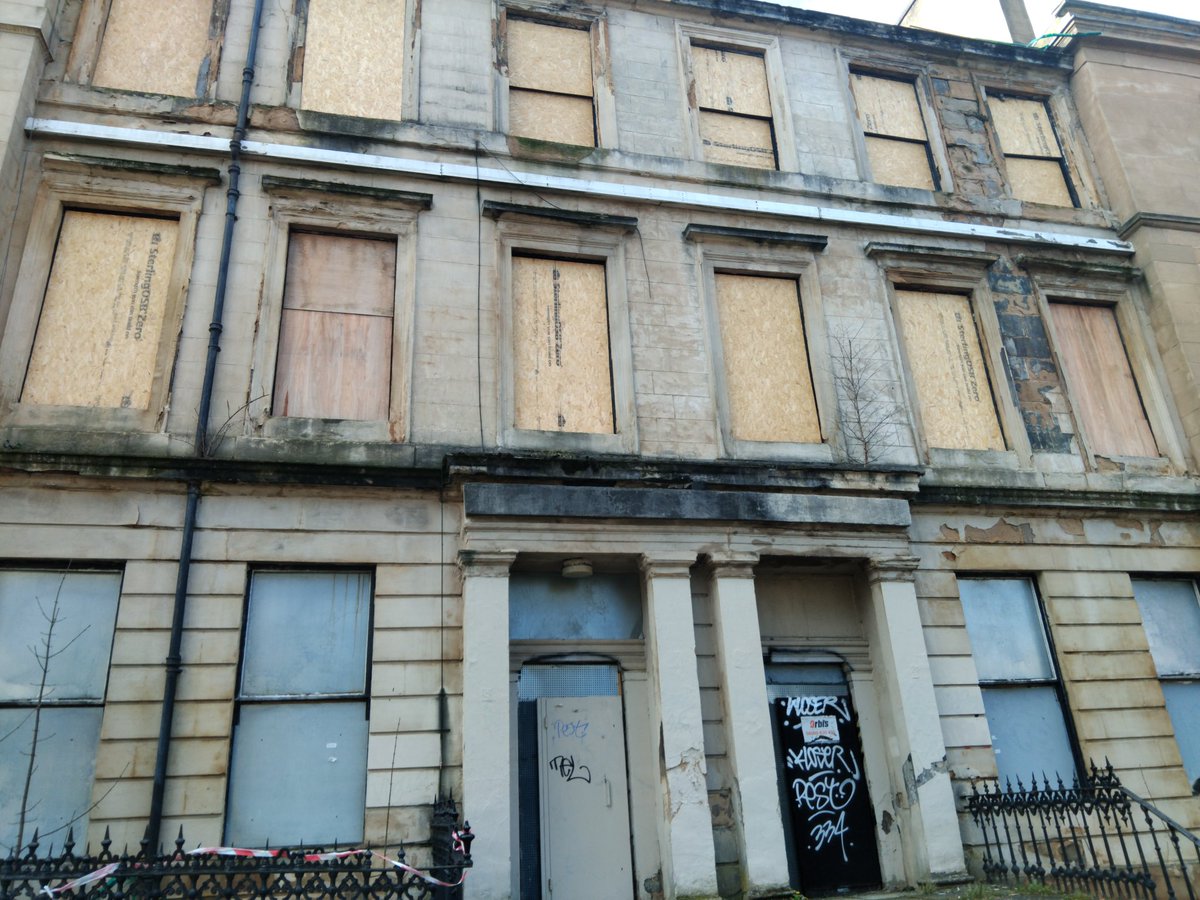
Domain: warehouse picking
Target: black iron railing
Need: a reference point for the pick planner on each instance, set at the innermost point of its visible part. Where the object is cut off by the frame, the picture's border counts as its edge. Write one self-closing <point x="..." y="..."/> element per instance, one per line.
<point x="1095" y="837"/>
<point x="309" y="873"/>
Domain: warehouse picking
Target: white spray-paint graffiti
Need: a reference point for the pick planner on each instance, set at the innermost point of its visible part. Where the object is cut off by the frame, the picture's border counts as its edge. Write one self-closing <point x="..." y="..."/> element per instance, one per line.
<point x="830" y="773"/>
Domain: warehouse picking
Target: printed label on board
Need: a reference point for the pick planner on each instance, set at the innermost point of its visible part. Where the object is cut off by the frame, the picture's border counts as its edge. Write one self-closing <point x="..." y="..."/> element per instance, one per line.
<point x="819" y="728"/>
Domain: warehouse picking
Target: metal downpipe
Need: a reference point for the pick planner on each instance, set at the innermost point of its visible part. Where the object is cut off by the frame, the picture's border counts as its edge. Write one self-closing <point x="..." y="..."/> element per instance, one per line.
<point x="174" y="661"/>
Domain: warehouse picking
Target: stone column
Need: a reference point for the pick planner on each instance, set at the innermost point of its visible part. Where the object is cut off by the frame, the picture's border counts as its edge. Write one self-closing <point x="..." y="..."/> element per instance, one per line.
<point x="918" y="752"/>
<point x="689" y="867"/>
<point x="486" y="766"/>
<point x="748" y="722"/>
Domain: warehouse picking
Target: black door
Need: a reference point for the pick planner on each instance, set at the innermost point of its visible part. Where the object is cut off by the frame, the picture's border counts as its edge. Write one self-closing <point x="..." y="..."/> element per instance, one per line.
<point x="829" y="819"/>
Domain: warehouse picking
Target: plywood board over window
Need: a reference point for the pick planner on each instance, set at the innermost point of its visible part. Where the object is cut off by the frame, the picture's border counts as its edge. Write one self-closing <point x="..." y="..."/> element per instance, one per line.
<point x="894" y="131"/>
<point x="157" y="47"/>
<point x="550" y="96"/>
<point x="958" y="411"/>
<point x="335" y="337"/>
<point x="768" y="381"/>
<point x="1103" y="390"/>
<point x="1033" y="156"/>
<point x="102" y="317"/>
<point x="354" y="58"/>
<point x="561" y="368"/>
<point x="734" y="107"/>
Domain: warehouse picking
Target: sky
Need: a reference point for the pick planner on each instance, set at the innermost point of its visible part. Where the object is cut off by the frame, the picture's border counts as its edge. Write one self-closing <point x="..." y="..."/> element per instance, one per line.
<point x="986" y="11"/>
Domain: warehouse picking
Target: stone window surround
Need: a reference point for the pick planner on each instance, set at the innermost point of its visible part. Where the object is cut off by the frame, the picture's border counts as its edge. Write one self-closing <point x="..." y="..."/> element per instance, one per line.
<point x="583" y="17"/>
<point x="964" y="272"/>
<point x="89" y="35"/>
<point x="586" y="237"/>
<point x="1061" y="112"/>
<point x="410" y="93"/>
<point x="348" y="210"/>
<point x="883" y="67"/>
<point x="745" y="251"/>
<point x="787" y="159"/>
<point x="1103" y="284"/>
<point x="104" y="186"/>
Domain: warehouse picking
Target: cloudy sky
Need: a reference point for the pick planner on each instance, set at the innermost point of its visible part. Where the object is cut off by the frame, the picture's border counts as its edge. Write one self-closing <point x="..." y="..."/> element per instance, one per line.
<point x="979" y="16"/>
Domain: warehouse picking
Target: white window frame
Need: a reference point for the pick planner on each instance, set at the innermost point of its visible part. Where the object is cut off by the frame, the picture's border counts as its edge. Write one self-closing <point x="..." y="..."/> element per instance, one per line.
<point x="687" y="33"/>
<point x="105" y="187"/>
<point x="524" y="232"/>
<point x="346" y="211"/>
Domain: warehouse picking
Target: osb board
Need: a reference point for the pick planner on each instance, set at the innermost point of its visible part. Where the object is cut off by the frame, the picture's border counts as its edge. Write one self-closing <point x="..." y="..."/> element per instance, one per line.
<point x="899" y="162"/>
<point x="354" y="58"/>
<point x="766" y="360"/>
<point x="1038" y="180"/>
<point x="1102" y="385"/>
<point x="154" y="46"/>
<point x="957" y="409"/>
<point x="1023" y="126"/>
<point x="730" y="82"/>
<point x="737" y="141"/>
<point x="887" y="106"/>
<point x="551" y="117"/>
<point x="98" y="337"/>
<point x="549" y="58"/>
<point x="334" y="273"/>
<point x="561" y="370"/>
<point x="333" y="366"/>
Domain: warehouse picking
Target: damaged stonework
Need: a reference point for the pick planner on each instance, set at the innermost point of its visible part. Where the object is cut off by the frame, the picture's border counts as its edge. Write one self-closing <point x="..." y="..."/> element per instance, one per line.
<point x="1033" y="376"/>
<point x="692" y="770"/>
<point x="913" y="780"/>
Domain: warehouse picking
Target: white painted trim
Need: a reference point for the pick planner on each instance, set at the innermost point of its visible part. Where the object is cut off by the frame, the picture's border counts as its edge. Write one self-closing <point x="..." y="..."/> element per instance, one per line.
<point x="641" y="193"/>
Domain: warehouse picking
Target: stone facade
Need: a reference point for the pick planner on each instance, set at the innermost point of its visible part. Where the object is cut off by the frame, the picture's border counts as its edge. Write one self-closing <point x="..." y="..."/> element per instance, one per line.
<point x="956" y="457"/>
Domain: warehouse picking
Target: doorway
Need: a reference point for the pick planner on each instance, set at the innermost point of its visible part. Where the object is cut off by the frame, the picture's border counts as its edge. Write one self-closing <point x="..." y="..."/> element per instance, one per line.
<point x="828" y="818"/>
<point x="573" y="795"/>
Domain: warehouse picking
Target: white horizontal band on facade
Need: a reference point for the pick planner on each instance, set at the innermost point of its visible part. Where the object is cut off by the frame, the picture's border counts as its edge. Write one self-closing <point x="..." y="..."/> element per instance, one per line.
<point x="610" y="190"/>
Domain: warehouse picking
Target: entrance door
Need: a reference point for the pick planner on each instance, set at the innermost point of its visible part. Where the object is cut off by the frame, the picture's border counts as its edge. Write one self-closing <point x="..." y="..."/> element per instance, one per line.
<point x="830" y="821"/>
<point x="584" y="798"/>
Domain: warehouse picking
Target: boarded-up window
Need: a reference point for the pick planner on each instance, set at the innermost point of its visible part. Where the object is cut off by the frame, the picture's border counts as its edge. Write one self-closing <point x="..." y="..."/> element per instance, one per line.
<point x="68" y="706"/>
<point x="562" y="373"/>
<point x="298" y="770"/>
<point x="894" y="130"/>
<point x="734" y="107"/>
<point x="354" y="58"/>
<point x="1032" y="155"/>
<point x="944" y="358"/>
<point x="157" y="47"/>
<point x="550" y="85"/>
<point x="767" y="375"/>
<point x="102" y="318"/>
<point x="335" y="336"/>
<point x="1103" y="389"/>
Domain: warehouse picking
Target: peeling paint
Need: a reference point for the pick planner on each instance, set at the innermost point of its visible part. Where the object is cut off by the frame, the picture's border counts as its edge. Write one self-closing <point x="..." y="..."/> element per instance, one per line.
<point x="913" y="780"/>
<point x="1003" y="532"/>
<point x="946" y="533"/>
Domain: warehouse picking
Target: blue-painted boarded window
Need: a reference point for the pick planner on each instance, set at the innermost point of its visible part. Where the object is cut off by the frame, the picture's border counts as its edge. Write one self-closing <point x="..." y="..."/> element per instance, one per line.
<point x="549" y="607"/>
<point x="298" y="769"/>
<point x="1022" y="695"/>
<point x="1171" y="617"/>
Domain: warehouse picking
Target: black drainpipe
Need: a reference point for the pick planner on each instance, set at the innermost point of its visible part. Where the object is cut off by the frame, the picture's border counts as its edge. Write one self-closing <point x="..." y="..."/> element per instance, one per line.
<point x="174" y="663"/>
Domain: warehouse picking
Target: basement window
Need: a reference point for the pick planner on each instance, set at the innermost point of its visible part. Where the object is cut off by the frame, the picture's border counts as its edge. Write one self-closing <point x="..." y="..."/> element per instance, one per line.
<point x="354" y="59"/>
<point x="1105" y="394"/>
<point x="298" y="768"/>
<point x="150" y="46"/>
<point x="1171" y="618"/>
<point x="897" y="142"/>
<point x="1033" y="157"/>
<point x="65" y="619"/>
<point x="946" y="367"/>
<point x="551" y="85"/>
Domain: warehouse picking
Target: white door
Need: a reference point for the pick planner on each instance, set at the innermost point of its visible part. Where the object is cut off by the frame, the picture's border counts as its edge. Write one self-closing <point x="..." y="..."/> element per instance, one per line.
<point x="584" y="799"/>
